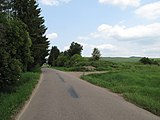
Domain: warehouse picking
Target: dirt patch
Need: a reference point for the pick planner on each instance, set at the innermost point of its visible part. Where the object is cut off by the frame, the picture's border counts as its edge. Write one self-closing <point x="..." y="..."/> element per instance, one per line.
<point x="79" y="74"/>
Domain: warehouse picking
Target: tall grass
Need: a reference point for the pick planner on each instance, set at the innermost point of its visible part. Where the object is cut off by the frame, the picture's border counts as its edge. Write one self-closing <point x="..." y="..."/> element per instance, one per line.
<point x="11" y="102"/>
<point x="139" y="84"/>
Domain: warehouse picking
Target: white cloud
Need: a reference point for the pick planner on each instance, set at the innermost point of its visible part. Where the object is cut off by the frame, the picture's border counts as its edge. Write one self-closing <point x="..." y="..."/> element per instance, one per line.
<point x="66" y="48"/>
<point x="152" y="50"/>
<point x="121" y="32"/>
<point x="122" y="3"/>
<point x="52" y="36"/>
<point x="120" y="40"/>
<point x="83" y="38"/>
<point x="54" y="2"/>
<point x="149" y="11"/>
<point x="102" y="47"/>
<point x="107" y="49"/>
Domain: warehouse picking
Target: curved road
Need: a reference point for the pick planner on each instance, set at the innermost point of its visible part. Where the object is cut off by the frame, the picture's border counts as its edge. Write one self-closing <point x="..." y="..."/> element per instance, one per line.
<point x="63" y="97"/>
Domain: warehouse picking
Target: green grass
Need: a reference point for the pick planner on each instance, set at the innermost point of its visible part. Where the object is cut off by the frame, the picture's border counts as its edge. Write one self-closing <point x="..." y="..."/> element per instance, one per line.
<point x="125" y="59"/>
<point x="10" y="103"/>
<point x="139" y="84"/>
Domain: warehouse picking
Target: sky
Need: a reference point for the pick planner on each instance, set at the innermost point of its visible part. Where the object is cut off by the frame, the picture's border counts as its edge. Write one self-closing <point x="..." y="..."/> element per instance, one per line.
<point x="118" y="28"/>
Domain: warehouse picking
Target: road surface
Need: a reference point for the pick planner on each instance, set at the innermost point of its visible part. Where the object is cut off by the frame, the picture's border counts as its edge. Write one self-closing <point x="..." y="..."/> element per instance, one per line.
<point x="61" y="96"/>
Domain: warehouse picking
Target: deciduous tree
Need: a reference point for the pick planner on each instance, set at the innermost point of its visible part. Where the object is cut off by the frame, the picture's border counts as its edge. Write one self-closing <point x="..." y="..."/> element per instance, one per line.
<point x="75" y="48"/>
<point x="96" y="54"/>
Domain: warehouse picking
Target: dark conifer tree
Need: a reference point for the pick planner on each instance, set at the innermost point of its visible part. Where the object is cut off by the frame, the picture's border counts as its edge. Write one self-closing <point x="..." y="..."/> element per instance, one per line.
<point x="53" y="56"/>
<point x="29" y="13"/>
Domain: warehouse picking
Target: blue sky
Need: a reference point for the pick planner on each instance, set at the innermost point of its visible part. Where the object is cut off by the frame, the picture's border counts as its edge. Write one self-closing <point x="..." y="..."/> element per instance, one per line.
<point x="118" y="28"/>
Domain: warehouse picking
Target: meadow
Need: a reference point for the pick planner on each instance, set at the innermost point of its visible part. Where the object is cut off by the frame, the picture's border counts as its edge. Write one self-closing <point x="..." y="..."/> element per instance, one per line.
<point x="139" y="84"/>
<point x="121" y="59"/>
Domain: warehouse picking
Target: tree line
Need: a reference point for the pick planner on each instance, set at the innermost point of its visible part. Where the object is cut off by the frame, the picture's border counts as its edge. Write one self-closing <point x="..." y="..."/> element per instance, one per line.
<point x="23" y="43"/>
<point x="71" y="57"/>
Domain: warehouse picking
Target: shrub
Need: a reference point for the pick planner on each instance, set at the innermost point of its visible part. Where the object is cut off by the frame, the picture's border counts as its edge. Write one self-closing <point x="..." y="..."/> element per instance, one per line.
<point x="146" y="60"/>
<point x="75" y="59"/>
<point x="62" y="61"/>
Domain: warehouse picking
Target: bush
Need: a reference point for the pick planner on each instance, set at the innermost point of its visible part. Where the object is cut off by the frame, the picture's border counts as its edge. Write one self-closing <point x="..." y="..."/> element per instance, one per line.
<point x="146" y="60"/>
<point x="62" y="61"/>
<point x="9" y="71"/>
<point x="75" y="59"/>
<point x="14" y="51"/>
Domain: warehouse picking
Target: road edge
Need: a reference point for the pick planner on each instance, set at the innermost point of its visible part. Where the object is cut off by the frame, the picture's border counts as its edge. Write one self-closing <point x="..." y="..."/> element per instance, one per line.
<point x="26" y="104"/>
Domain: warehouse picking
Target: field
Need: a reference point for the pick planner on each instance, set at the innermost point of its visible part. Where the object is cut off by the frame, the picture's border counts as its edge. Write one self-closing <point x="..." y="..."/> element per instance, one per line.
<point x="124" y="59"/>
<point x="121" y="59"/>
<point x="11" y="102"/>
<point x="139" y="84"/>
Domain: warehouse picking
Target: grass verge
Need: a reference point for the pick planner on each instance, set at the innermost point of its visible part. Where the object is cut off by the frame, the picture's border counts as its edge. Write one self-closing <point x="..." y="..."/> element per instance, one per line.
<point x="10" y="103"/>
<point x="140" y="85"/>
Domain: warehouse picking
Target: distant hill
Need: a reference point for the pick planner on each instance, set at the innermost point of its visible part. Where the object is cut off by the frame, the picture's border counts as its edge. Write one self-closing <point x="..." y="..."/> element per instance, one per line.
<point x="134" y="57"/>
<point x="122" y="59"/>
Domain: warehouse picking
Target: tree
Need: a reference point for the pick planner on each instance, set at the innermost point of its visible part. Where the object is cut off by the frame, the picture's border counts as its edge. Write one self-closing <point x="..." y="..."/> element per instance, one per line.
<point x="75" y="48"/>
<point x="53" y="56"/>
<point x="14" y="51"/>
<point x="75" y="59"/>
<point x="96" y="54"/>
<point x="19" y="43"/>
<point x="28" y="12"/>
<point x="5" y="6"/>
<point x="62" y="60"/>
<point x="2" y="5"/>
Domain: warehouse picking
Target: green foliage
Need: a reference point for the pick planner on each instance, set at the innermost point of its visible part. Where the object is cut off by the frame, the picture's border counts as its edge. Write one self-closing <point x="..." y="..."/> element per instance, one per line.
<point x="5" y="6"/>
<point x="146" y="60"/>
<point x="96" y="54"/>
<point x="139" y="84"/>
<point x="10" y="103"/>
<point x="19" y="43"/>
<point x="14" y="51"/>
<point x="75" y="48"/>
<point x="75" y="59"/>
<point x="53" y="56"/>
<point x="68" y="58"/>
<point x="28" y="12"/>
<point x="62" y="60"/>
<point x="9" y="71"/>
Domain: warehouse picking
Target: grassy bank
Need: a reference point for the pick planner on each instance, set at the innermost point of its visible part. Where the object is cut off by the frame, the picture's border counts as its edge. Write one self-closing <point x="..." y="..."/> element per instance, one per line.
<point x="139" y="84"/>
<point x="10" y="103"/>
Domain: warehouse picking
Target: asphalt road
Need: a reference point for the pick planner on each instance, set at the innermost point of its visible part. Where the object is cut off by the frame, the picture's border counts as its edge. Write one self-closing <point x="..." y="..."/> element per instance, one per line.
<point x="63" y="97"/>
